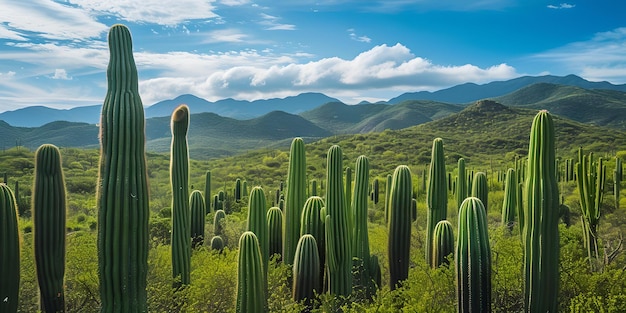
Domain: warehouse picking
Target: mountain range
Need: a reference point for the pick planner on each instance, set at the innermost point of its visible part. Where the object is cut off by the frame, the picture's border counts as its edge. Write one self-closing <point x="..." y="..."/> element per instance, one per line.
<point x="213" y="135"/>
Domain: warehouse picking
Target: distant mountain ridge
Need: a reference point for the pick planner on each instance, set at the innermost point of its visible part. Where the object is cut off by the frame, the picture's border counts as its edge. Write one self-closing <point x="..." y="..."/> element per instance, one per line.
<point x="240" y="109"/>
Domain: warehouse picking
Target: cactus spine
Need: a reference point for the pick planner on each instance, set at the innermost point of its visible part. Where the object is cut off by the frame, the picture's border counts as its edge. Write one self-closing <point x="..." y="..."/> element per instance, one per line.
<point x="198" y="212"/>
<point x="295" y="198"/>
<point x="399" y="226"/>
<point x="257" y="222"/>
<point x="338" y="244"/>
<point x="306" y="268"/>
<point x="10" y="247"/>
<point x="207" y="192"/>
<point x="473" y="258"/>
<point x="443" y="243"/>
<point x="540" y="235"/>
<point x="179" y="178"/>
<point x="436" y="194"/>
<point x="275" y="231"/>
<point x="480" y="188"/>
<point x="49" y="206"/>
<point x="509" y="204"/>
<point x="251" y="278"/>
<point x="122" y="185"/>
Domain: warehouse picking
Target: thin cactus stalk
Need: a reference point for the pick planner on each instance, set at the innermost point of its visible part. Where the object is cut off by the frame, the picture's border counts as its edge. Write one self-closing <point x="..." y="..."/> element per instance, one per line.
<point x="179" y="179"/>
<point x="436" y="194"/>
<point x="306" y="268"/>
<point x="257" y="222"/>
<point x="480" y="188"/>
<point x="387" y="196"/>
<point x="617" y="181"/>
<point x="375" y="191"/>
<point x="509" y="204"/>
<point x="198" y="213"/>
<point x="338" y="243"/>
<point x="313" y="188"/>
<point x="348" y="185"/>
<point x="295" y="198"/>
<point x="207" y="192"/>
<point x="49" y="211"/>
<point x="540" y="235"/>
<point x="312" y="222"/>
<point x="244" y="188"/>
<point x="443" y="243"/>
<point x="10" y="247"/>
<point x="461" y="183"/>
<point x="275" y="232"/>
<point x="473" y="258"/>
<point x="399" y="226"/>
<point x="237" y="190"/>
<point x="122" y="197"/>
<point x="251" y="278"/>
<point x="218" y="222"/>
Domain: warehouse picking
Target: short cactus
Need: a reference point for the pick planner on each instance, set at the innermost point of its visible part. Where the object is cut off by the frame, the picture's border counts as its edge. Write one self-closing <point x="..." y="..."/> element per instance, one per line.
<point x="251" y="278"/>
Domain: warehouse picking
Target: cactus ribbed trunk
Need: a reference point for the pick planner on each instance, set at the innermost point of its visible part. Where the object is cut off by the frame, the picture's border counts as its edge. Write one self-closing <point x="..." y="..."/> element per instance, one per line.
<point x="540" y="235"/>
<point x="10" y="247"/>
<point x="218" y="222"/>
<point x="436" y="194"/>
<point x="461" y="183"/>
<point x="312" y="222"/>
<point x="509" y="204"/>
<point x="179" y="179"/>
<point x="257" y="223"/>
<point x="399" y="225"/>
<point x="251" y="278"/>
<point x="122" y="203"/>
<point x="480" y="188"/>
<point x="198" y="213"/>
<point x="207" y="192"/>
<point x="443" y="243"/>
<point x="306" y="268"/>
<point x="275" y="231"/>
<point x="617" y="181"/>
<point x="295" y="198"/>
<point x="338" y="244"/>
<point x="473" y="259"/>
<point x="49" y="210"/>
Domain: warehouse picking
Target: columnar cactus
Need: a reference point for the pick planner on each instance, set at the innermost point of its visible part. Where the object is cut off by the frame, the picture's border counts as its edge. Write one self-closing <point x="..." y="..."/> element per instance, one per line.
<point x="275" y="231"/>
<point x="375" y="191"/>
<point x="49" y="206"/>
<point x="509" y="204"/>
<point x="348" y="185"/>
<point x="10" y="247"/>
<point x="443" y="243"/>
<point x="338" y="236"/>
<point x="473" y="258"/>
<point x="217" y="243"/>
<point x="461" y="183"/>
<point x="399" y="225"/>
<point x="207" y="192"/>
<point x="295" y="198"/>
<point x="306" y="268"/>
<point x="257" y="222"/>
<point x="122" y="202"/>
<point x="617" y="180"/>
<point x="480" y="188"/>
<point x="179" y="179"/>
<point x="591" y="178"/>
<point x="218" y="222"/>
<point x="251" y="278"/>
<point x="387" y="196"/>
<point x="312" y="222"/>
<point x="540" y="235"/>
<point x="436" y="194"/>
<point x="198" y="212"/>
<point x="313" y="188"/>
<point x="237" y="190"/>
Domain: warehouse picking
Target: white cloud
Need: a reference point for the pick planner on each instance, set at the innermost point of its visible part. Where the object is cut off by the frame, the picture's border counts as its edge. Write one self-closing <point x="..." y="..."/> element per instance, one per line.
<point x="561" y="6"/>
<point x="162" y="12"/>
<point x="60" y="73"/>
<point x="355" y="37"/>
<point x="225" y="35"/>
<point x="603" y="57"/>
<point x="233" y="3"/>
<point x="49" y="19"/>
<point x="7" y="75"/>
<point x="271" y="23"/>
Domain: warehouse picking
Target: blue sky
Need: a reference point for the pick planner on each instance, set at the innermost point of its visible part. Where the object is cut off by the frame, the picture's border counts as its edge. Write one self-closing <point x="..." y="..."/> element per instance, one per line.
<point x="54" y="52"/>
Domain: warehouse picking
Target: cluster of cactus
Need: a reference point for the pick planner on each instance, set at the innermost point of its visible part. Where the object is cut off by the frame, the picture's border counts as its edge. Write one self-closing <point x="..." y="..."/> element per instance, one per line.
<point x="436" y="195"/>
<point x="399" y="226"/>
<point x="198" y="212"/>
<point x="473" y="258"/>
<point x="617" y="180"/>
<point x="509" y="204"/>
<point x="540" y="232"/>
<point x="49" y="206"/>
<point x="122" y="203"/>
<point x="10" y="247"/>
<point x="591" y="178"/>
<point x="251" y="276"/>
<point x="295" y="199"/>
<point x="179" y="179"/>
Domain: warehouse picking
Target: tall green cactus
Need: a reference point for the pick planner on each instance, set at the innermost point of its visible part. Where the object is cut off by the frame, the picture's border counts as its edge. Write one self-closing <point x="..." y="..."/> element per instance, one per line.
<point x="275" y="231"/>
<point x="123" y="208"/>
<point x="443" y="243"/>
<point x="461" y="183"/>
<point x="312" y="222"/>
<point x="237" y="190"/>
<point x="295" y="198"/>
<point x="10" y="247"/>
<point x="207" y="192"/>
<point x="473" y="258"/>
<point x="257" y="222"/>
<point x="540" y="235"/>
<point x="480" y="188"/>
<point x="179" y="179"/>
<point x="338" y="237"/>
<point x="251" y="278"/>
<point x="49" y="209"/>
<point x="617" y="180"/>
<point x="306" y="268"/>
<point x="509" y="204"/>
<point x="591" y="178"/>
<point x="436" y="194"/>
<point x="198" y="212"/>
<point x="399" y="225"/>
<point x="387" y="196"/>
